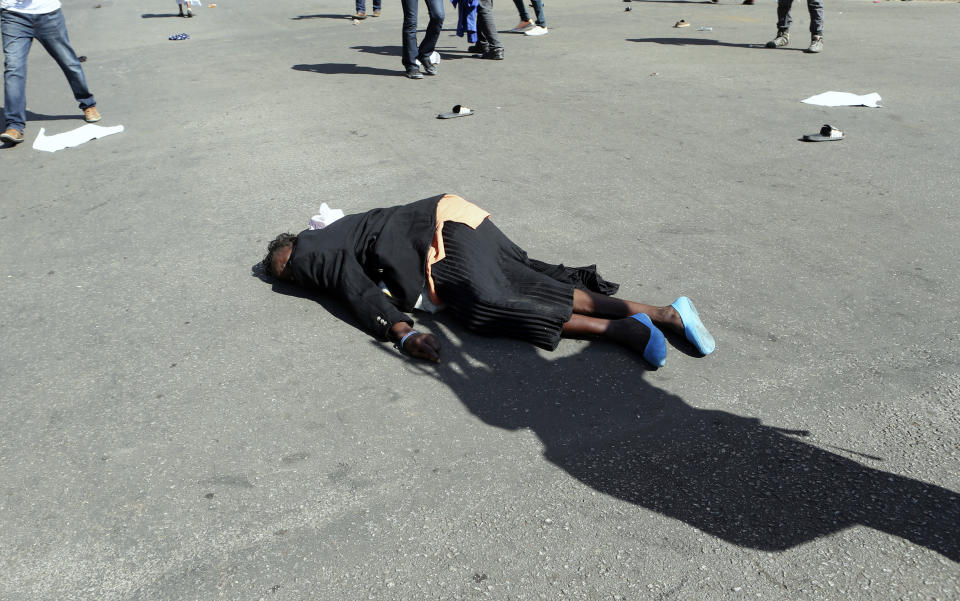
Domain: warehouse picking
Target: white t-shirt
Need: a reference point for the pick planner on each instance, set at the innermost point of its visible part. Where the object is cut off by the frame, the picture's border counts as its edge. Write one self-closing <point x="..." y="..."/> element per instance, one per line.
<point x="30" y="7"/>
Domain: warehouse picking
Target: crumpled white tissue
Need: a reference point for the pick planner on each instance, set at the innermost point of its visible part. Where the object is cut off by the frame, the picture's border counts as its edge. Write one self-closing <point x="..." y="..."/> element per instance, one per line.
<point x="844" y="99"/>
<point x="325" y="217"/>
<point x="72" y="138"/>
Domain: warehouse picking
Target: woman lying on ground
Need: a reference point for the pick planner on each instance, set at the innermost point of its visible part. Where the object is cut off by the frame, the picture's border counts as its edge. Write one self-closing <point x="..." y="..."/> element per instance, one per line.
<point x="445" y="252"/>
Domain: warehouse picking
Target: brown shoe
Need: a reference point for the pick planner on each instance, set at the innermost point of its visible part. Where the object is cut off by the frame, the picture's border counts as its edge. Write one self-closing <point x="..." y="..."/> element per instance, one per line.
<point x="91" y="114"/>
<point x="376" y="13"/>
<point x="12" y="136"/>
<point x="360" y="16"/>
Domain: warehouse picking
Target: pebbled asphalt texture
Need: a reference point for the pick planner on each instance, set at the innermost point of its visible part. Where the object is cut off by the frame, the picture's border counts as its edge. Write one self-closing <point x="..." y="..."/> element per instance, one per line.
<point x="178" y="426"/>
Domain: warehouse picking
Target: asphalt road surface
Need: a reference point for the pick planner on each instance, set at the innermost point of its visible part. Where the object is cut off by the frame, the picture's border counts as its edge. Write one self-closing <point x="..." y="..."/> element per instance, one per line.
<point x="175" y="426"/>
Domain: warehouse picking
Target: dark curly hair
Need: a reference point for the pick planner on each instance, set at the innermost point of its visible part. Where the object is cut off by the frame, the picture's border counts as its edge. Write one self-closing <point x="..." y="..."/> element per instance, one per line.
<point x="281" y="241"/>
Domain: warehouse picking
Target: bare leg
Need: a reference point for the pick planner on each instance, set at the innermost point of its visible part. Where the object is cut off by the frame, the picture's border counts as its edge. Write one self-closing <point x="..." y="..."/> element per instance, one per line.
<point x="599" y="305"/>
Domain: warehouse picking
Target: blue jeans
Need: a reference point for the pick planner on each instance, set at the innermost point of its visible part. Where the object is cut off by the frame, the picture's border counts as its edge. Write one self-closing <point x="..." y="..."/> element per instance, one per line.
<point x="362" y="5"/>
<point x="537" y="8"/>
<point x="50" y="30"/>
<point x="410" y="50"/>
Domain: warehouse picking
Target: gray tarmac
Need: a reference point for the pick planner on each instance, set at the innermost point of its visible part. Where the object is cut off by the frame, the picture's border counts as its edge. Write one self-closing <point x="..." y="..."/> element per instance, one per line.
<point x="176" y="427"/>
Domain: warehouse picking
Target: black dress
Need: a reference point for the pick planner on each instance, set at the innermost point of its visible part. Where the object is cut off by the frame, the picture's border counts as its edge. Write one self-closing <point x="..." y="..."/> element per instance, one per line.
<point x="485" y="280"/>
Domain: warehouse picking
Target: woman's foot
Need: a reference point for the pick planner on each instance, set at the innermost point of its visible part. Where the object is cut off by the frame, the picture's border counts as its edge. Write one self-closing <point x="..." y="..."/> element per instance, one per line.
<point x="692" y="327"/>
<point x="638" y="333"/>
<point x="523" y="26"/>
<point x="360" y="16"/>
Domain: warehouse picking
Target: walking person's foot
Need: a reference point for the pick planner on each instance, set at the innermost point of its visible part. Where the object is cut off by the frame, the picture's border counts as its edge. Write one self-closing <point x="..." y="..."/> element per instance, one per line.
<point x="782" y="39"/>
<point x="816" y="44"/>
<point x="494" y="54"/>
<point x="428" y="65"/>
<point x="413" y="72"/>
<point x="376" y="12"/>
<point x="12" y="136"/>
<point x="91" y="114"/>
<point x="360" y="16"/>
<point x="537" y="30"/>
<point x="523" y="26"/>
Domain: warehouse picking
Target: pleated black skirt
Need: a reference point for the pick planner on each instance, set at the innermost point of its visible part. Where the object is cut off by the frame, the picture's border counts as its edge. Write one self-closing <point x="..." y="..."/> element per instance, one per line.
<point x="490" y="284"/>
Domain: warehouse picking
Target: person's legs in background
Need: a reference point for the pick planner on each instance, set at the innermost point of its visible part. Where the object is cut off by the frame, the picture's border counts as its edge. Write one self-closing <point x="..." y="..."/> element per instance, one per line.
<point x="487" y="31"/>
<point x="409" y="33"/>
<point x="17" y="30"/>
<point x="51" y="31"/>
<point x="541" y="27"/>
<point x="525" y="22"/>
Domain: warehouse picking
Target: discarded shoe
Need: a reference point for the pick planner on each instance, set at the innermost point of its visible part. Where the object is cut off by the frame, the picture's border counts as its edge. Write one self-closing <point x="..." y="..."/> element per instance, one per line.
<point x="693" y="328"/>
<point x="782" y="39"/>
<point x="681" y="23"/>
<point x="457" y="111"/>
<point x="12" y="136"/>
<point x="827" y="134"/>
<point x="91" y="114"/>
<point x="656" y="350"/>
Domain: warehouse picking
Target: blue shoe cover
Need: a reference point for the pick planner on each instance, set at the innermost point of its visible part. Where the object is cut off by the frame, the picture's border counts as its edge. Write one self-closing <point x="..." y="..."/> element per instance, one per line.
<point x="656" y="351"/>
<point x="696" y="332"/>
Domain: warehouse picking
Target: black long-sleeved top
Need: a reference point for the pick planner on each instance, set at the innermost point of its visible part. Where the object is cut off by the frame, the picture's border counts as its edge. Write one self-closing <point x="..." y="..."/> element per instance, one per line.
<point x="351" y="255"/>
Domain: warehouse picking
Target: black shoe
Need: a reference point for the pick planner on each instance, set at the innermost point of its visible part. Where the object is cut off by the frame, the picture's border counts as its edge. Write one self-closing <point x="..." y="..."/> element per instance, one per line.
<point x="479" y="48"/>
<point x="494" y="54"/>
<point x="414" y="72"/>
<point x="428" y="67"/>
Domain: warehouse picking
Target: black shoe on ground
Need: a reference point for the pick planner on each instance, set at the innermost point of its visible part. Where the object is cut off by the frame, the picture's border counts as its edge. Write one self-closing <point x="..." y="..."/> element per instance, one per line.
<point x="494" y="54"/>
<point x="414" y="73"/>
<point x="428" y="67"/>
<point x="478" y="48"/>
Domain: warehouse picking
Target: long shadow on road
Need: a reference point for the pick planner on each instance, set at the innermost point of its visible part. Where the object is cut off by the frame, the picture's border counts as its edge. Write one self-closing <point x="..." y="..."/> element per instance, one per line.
<point x="750" y="484"/>
<point x="731" y="476"/>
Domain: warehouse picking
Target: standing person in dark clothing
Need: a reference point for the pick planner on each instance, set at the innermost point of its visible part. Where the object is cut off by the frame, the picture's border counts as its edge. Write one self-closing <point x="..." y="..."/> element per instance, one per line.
<point x="815" y="7"/>
<point x="446" y="250"/>
<point x="488" y="43"/>
<point x="411" y="52"/>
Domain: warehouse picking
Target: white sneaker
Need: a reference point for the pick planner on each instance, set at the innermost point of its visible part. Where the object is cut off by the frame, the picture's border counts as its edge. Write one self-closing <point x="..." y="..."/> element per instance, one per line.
<point x="537" y="30"/>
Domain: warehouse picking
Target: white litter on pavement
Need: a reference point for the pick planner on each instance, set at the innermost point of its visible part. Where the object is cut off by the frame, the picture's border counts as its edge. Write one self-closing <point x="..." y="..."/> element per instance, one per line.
<point x="72" y="138"/>
<point x="844" y="99"/>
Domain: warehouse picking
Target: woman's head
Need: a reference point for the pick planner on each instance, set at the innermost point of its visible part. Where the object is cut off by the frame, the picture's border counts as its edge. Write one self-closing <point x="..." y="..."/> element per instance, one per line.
<point x="278" y="253"/>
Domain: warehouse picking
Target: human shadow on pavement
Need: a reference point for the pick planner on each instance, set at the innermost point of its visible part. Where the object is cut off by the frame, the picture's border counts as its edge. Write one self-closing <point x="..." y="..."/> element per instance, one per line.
<point x="160" y="16"/>
<point x="337" y="16"/>
<point x="397" y="51"/>
<point x="750" y="484"/>
<point x="698" y="42"/>
<point x="346" y="68"/>
<point x="31" y="116"/>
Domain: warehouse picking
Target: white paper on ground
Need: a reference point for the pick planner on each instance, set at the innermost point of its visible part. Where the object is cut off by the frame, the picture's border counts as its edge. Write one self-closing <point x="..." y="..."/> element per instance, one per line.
<point x="325" y="217"/>
<point x="73" y="138"/>
<point x="844" y="99"/>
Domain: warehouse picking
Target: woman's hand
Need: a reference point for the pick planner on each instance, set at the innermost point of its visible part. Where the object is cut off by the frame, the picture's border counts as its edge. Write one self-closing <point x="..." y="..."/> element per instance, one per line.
<point x="416" y="344"/>
<point x="423" y="346"/>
